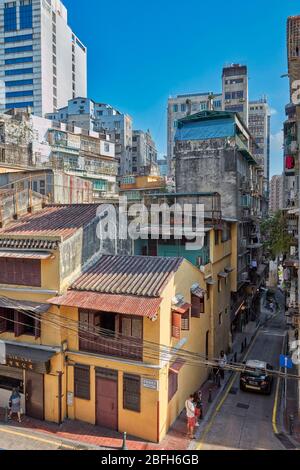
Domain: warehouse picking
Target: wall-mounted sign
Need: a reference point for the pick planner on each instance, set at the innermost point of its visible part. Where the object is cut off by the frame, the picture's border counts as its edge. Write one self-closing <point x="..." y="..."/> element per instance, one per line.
<point x="2" y="352"/>
<point x="70" y="396"/>
<point x="150" y="383"/>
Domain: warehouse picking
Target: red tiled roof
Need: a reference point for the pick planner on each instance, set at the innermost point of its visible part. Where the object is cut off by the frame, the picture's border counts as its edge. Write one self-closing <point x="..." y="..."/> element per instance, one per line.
<point x="144" y="276"/>
<point x="126" y="304"/>
<point x="53" y="220"/>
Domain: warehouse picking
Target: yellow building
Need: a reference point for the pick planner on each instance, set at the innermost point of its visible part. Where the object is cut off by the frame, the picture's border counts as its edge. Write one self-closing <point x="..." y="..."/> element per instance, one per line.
<point x="40" y="255"/>
<point x="136" y="187"/>
<point x="120" y="369"/>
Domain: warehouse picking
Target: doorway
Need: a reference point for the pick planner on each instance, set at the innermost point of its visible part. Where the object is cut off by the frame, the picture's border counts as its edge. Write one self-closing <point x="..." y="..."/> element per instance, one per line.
<point x="107" y="399"/>
<point x="34" y="395"/>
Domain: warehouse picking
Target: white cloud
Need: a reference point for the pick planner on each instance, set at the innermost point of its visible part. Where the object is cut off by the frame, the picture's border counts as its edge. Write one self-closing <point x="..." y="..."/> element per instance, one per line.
<point x="273" y="111"/>
<point x="276" y="143"/>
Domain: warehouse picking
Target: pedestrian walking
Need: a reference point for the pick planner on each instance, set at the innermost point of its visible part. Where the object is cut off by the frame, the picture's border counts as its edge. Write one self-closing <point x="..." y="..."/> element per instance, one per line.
<point x="198" y="406"/>
<point x="15" y="404"/>
<point x="222" y="363"/>
<point x="190" y="414"/>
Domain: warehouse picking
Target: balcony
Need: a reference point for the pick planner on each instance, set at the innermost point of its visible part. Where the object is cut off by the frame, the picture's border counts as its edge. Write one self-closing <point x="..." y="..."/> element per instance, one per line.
<point x="130" y="348"/>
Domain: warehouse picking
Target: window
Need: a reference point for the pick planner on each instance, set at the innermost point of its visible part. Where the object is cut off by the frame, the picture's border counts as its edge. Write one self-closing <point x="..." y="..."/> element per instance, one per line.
<point x="25" y="14"/>
<point x="19" y="323"/>
<point x="183" y="108"/>
<point x="132" y="392"/>
<point x="131" y="327"/>
<point x="220" y="318"/>
<point x="219" y="285"/>
<point x="20" y="272"/>
<point x="173" y="384"/>
<point x="175" y="124"/>
<point x="10" y="16"/>
<point x="198" y="305"/>
<point x="208" y="292"/>
<point x="227" y="95"/>
<point x="19" y="83"/>
<point x="106" y="147"/>
<point x="18" y="72"/>
<point x="176" y="325"/>
<point x="22" y="37"/>
<point x="18" y="60"/>
<point x="17" y="94"/>
<point x="185" y="320"/>
<point x="23" y="104"/>
<point x="14" y="50"/>
<point x="175" y="108"/>
<point x="216" y="237"/>
<point x="6" y="320"/>
<point x="82" y="382"/>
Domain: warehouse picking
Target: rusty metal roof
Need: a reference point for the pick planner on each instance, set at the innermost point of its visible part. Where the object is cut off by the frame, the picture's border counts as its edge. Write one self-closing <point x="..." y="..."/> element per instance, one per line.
<point x="123" y="304"/>
<point x="144" y="276"/>
<point x="61" y="220"/>
<point x="28" y="243"/>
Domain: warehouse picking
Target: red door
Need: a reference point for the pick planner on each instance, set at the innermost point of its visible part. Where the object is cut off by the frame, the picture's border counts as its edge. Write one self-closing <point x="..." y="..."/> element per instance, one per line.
<point x="107" y="403"/>
<point x="34" y="394"/>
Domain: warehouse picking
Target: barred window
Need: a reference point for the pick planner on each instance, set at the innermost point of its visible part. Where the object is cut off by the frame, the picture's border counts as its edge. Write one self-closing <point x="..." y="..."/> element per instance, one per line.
<point x="132" y="392"/>
<point x="173" y="384"/>
<point x="82" y="382"/>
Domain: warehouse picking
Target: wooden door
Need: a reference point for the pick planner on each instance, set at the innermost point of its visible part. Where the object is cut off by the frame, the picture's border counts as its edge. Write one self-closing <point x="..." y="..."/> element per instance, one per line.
<point x="34" y="394"/>
<point x="107" y="403"/>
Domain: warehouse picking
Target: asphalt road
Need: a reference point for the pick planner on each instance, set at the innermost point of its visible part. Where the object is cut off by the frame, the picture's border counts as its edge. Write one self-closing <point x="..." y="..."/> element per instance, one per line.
<point x="244" y="420"/>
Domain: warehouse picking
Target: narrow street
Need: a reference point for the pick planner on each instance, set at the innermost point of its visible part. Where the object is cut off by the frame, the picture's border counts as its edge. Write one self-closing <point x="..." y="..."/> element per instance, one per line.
<point x="243" y="420"/>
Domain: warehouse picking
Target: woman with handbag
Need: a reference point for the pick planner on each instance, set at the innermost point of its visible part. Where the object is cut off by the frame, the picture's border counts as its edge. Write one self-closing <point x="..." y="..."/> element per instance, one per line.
<point x="15" y="404"/>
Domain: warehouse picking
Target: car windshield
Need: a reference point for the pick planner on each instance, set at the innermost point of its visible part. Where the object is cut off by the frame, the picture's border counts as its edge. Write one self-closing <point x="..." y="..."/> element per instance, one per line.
<point x="255" y="372"/>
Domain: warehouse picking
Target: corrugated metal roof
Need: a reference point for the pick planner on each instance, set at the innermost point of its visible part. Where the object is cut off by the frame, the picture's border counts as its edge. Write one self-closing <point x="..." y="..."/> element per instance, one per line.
<point x="134" y="275"/>
<point x="54" y="220"/>
<point x="25" y="254"/>
<point x="24" y="305"/>
<point x="28" y="243"/>
<point x="123" y="304"/>
<point x="204" y="130"/>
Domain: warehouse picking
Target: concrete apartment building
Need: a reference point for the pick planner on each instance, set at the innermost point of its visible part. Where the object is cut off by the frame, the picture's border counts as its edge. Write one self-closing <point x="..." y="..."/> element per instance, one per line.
<point x="29" y="142"/>
<point x="42" y="63"/>
<point x="214" y="151"/>
<point x="183" y="105"/>
<point x="276" y="194"/>
<point x="259" y="126"/>
<point x="99" y="117"/>
<point x="235" y="90"/>
<point x="144" y="153"/>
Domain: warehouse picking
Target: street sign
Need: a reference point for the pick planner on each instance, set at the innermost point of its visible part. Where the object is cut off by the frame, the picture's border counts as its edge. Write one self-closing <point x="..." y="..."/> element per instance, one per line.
<point x="285" y="361"/>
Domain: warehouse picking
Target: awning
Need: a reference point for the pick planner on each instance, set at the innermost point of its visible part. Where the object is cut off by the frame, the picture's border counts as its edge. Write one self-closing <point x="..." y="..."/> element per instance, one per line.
<point x="183" y="308"/>
<point x="25" y="254"/>
<point x="199" y="292"/>
<point x="28" y="358"/>
<point x="177" y="365"/>
<point x="210" y="281"/>
<point x="124" y="304"/>
<point x="223" y="274"/>
<point x="24" y="305"/>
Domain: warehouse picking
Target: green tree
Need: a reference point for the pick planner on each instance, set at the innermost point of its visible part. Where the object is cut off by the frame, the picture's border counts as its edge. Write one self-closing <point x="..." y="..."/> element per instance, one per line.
<point x="277" y="240"/>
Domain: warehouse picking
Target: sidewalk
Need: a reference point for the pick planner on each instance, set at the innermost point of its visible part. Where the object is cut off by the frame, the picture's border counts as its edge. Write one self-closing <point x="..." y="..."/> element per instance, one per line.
<point x="292" y="401"/>
<point x="176" y="439"/>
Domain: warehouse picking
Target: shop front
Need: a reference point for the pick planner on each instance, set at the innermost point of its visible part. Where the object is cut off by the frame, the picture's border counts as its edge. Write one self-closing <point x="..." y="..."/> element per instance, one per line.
<point x="25" y="368"/>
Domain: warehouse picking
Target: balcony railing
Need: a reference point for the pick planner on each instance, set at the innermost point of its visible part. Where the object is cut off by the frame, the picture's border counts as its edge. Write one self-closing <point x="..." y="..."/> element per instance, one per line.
<point x="129" y="348"/>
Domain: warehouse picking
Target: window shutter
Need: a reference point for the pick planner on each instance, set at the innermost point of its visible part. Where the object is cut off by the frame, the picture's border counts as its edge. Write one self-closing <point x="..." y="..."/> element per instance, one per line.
<point x="37" y="326"/>
<point x="173" y="384"/>
<point x="82" y="381"/>
<point x="132" y="392"/>
<point x="3" y="321"/>
<point x="196" y="306"/>
<point x="19" y="323"/>
<point x="185" y="321"/>
<point x="176" y="325"/>
<point x="202" y="305"/>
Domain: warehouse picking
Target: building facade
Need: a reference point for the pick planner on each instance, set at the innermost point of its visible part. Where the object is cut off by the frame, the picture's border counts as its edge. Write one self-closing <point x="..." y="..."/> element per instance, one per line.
<point x="276" y="194"/>
<point x="144" y="153"/>
<point x="99" y="117"/>
<point x="214" y="150"/>
<point x="235" y="90"/>
<point x="42" y="64"/>
<point x="183" y="105"/>
<point x="259" y="126"/>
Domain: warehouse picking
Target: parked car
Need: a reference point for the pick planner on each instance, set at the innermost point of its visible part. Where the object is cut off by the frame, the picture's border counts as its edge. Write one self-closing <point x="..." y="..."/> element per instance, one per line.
<point x="256" y="377"/>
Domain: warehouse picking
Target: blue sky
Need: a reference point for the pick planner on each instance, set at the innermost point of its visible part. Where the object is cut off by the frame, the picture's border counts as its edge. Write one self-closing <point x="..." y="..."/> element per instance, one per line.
<point x="141" y="52"/>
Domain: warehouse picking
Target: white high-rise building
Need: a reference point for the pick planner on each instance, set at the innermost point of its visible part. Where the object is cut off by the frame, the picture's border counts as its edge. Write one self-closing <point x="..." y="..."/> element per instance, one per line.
<point x="259" y="126"/>
<point x="42" y="62"/>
